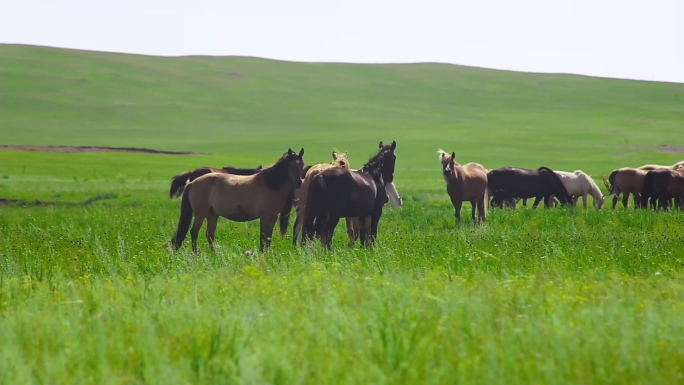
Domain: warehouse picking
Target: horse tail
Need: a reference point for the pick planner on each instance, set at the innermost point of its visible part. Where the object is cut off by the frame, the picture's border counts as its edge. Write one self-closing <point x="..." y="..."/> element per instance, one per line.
<point x="647" y="189"/>
<point x="178" y="181"/>
<point x="313" y="210"/>
<point x="610" y="183"/>
<point x="184" y="220"/>
<point x="285" y="214"/>
<point x="486" y="202"/>
<point x="566" y="197"/>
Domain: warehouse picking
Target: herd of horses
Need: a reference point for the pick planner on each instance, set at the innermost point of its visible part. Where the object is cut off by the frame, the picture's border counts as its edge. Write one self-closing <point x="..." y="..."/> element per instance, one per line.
<point x="324" y="193"/>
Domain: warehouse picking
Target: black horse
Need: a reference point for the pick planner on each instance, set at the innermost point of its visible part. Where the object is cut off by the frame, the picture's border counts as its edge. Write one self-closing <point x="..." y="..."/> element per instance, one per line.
<point x="661" y="187"/>
<point x="340" y="193"/>
<point x="509" y="183"/>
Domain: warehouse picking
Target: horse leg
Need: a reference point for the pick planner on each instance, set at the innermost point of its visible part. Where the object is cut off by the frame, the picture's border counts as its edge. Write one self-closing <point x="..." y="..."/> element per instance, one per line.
<point x="473" y="203"/>
<point x="194" y="232"/>
<point x="575" y="199"/>
<point x="525" y="202"/>
<point x="329" y="231"/>
<point x="584" y="200"/>
<point x="457" y="202"/>
<point x="266" y="231"/>
<point x="375" y="219"/>
<point x="352" y="230"/>
<point x="536" y="201"/>
<point x="482" y="209"/>
<point x="212" y="221"/>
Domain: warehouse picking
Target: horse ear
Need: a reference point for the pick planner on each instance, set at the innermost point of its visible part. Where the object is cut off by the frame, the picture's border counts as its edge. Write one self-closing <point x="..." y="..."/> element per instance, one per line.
<point x="394" y="145"/>
<point x="346" y="153"/>
<point x="301" y="152"/>
<point x="289" y="151"/>
<point x="334" y="155"/>
<point x="380" y="146"/>
<point x="453" y="155"/>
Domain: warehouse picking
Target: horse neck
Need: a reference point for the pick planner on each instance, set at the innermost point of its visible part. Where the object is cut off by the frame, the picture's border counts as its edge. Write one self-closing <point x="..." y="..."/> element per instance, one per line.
<point x="273" y="178"/>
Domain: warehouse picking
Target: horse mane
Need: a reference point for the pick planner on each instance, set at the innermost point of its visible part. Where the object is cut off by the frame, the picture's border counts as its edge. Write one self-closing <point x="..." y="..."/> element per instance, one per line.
<point x="442" y="153"/>
<point x="372" y="167"/>
<point x="275" y="175"/>
<point x="242" y="171"/>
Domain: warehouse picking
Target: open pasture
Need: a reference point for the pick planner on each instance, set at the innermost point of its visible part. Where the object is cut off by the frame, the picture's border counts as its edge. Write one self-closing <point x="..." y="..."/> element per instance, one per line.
<point x="90" y="292"/>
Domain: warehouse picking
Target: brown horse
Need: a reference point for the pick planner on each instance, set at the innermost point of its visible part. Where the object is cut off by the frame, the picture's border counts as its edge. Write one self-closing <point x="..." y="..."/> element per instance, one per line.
<point x="301" y="195"/>
<point x="465" y="183"/>
<point x="663" y="185"/>
<point x="178" y="185"/>
<point x="625" y="181"/>
<point x="239" y="198"/>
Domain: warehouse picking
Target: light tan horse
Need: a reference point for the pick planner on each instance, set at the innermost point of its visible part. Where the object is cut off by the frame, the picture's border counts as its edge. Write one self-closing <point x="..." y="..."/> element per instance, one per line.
<point x="339" y="160"/>
<point x="579" y="184"/>
<point x="650" y="167"/>
<point x="465" y="183"/>
<point x="239" y="198"/>
<point x="625" y="181"/>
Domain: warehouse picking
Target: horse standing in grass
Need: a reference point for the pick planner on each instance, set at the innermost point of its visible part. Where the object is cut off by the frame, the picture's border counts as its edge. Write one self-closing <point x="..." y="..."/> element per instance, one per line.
<point x="662" y="186"/>
<point x="336" y="193"/>
<point x="301" y="195"/>
<point x="465" y="183"/>
<point x="625" y="181"/>
<point x="239" y="198"/>
<point x="513" y="182"/>
<point x="579" y="184"/>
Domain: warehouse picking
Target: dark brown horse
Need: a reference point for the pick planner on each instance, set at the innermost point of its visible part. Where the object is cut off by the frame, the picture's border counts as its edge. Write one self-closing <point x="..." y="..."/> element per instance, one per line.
<point x="239" y="198"/>
<point x="661" y="186"/>
<point x="340" y="193"/>
<point x="465" y="183"/>
<point x="513" y="182"/>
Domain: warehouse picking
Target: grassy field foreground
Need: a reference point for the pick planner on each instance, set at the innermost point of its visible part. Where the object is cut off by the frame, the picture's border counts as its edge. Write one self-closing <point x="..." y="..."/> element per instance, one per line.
<point x="90" y="293"/>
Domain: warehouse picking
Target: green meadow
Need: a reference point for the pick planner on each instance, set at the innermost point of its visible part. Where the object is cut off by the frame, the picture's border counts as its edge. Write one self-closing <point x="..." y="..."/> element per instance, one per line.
<point x="91" y="294"/>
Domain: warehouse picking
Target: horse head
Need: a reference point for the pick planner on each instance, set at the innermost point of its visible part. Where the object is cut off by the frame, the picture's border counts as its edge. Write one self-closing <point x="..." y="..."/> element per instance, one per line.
<point x="389" y="160"/>
<point x="448" y="163"/>
<point x="341" y="160"/>
<point x="295" y="166"/>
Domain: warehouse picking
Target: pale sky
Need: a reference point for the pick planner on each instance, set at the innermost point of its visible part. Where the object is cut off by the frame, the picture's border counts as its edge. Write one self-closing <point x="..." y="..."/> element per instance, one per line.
<point x="612" y="38"/>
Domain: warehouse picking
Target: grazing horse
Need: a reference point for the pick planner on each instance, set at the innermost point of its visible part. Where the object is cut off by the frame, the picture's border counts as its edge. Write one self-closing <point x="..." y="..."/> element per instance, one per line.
<point x="466" y="182"/>
<point x="301" y="195"/>
<point x="513" y="182"/>
<point x="239" y="198"/>
<point x="663" y="185"/>
<point x="178" y="181"/>
<point x="338" y="192"/>
<point x="579" y="184"/>
<point x="625" y="181"/>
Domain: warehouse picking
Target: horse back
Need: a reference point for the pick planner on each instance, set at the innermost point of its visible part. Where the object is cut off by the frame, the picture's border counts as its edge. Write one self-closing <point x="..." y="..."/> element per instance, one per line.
<point x="348" y="193"/>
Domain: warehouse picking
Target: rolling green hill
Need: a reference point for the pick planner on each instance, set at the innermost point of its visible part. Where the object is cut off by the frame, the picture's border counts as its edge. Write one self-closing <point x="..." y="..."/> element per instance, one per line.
<point x="243" y="107"/>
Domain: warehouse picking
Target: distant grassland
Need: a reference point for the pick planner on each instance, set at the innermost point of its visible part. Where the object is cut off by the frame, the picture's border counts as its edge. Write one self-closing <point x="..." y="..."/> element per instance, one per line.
<point x="89" y="292"/>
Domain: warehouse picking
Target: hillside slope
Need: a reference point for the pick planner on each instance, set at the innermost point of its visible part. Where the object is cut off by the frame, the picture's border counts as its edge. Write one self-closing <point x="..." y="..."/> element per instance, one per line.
<point x="238" y="104"/>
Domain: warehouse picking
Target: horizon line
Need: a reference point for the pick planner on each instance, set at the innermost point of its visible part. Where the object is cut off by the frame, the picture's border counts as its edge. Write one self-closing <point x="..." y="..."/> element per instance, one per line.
<point x="338" y="62"/>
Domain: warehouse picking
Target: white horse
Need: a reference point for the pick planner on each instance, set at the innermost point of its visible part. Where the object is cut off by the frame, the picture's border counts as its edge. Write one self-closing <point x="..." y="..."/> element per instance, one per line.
<point x="579" y="184"/>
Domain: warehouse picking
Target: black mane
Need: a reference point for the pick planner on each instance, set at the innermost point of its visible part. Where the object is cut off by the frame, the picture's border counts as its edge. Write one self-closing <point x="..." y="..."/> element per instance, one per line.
<point x="241" y="171"/>
<point x="374" y="165"/>
<point x="276" y="175"/>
